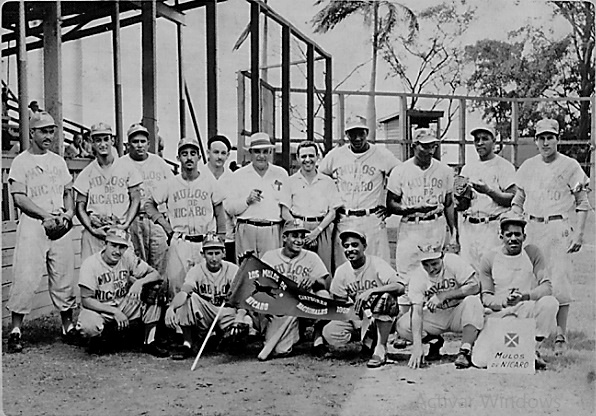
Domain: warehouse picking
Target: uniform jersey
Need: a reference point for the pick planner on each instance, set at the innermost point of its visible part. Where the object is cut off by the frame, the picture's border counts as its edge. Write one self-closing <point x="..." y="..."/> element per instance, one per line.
<point x="360" y="177"/>
<point x="225" y="182"/>
<point x="455" y="274"/>
<point x="497" y="173"/>
<point x="111" y="283"/>
<point x="209" y="285"/>
<point x="548" y="186"/>
<point x="44" y="178"/>
<point x="420" y="188"/>
<point x="274" y="192"/>
<point x="154" y="171"/>
<point x="107" y="188"/>
<point x="313" y="199"/>
<point x="349" y="282"/>
<point x="304" y="264"/>
<point x="190" y="203"/>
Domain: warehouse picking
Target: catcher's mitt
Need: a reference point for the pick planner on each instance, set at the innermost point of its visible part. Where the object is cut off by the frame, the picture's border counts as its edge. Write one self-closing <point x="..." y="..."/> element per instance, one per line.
<point x="57" y="226"/>
<point x="152" y="293"/>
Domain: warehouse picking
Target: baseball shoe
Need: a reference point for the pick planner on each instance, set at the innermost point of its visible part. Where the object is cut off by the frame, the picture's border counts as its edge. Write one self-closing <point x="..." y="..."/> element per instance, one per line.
<point x="14" y="343"/>
<point x="320" y="350"/>
<point x="71" y="337"/>
<point x="539" y="363"/>
<point x="434" y="350"/>
<point x="464" y="359"/>
<point x="560" y="344"/>
<point x="155" y="350"/>
<point x="99" y="345"/>
<point x="366" y="352"/>
<point x="182" y="353"/>
<point x="376" y="361"/>
<point x="400" y="344"/>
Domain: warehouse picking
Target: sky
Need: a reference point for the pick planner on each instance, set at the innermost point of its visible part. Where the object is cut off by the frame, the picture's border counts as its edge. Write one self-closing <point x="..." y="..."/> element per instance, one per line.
<point x="87" y="64"/>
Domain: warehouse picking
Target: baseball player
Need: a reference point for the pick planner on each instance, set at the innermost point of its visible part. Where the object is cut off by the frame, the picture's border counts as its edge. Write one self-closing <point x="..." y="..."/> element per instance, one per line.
<point x="194" y="208"/>
<point x="514" y="281"/>
<point x="218" y="151"/>
<point x="259" y="199"/>
<point x="315" y="200"/>
<point x="360" y="171"/>
<point x="111" y="283"/>
<point x="442" y="291"/>
<point x="308" y="271"/>
<point x="373" y="286"/>
<point x="550" y="186"/>
<point x="40" y="184"/>
<point x="108" y="192"/>
<point x="148" y="239"/>
<point x="492" y="181"/>
<point x="204" y="290"/>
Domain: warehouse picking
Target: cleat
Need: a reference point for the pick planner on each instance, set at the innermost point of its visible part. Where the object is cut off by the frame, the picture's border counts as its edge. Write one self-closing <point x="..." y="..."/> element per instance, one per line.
<point x="434" y="351"/>
<point x="183" y="353"/>
<point x="155" y="350"/>
<point x="14" y="343"/>
<point x="376" y="361"/>
<point x="464" y="359"/>
<point x="560" y="345"/>
<point x="539" y="363"/>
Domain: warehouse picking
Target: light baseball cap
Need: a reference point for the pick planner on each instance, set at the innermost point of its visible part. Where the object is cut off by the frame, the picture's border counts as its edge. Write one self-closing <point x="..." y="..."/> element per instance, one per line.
<point x="483" y="127"/>
<point x="429" y="252"/>
<point x="260" y="140"/>
<point x="424" y="136"/>
<point x="294" y="225"/>
<point x="356" y="122"/>
<point x="188" y="142"/>
<point x="547" y="125"/>
<point x="101" y="128"/>
<point x="352" y="233"/>
<point x="40" y="120"/>
<point x="117" y="236"/>
<point x="137" y="128"/>
<point x="511" y="218"/>
<point x="213" y="241"/>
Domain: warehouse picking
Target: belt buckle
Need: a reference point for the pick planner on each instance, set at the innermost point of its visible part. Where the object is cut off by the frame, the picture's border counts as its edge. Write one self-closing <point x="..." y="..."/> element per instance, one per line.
<point x="546" y="219"/>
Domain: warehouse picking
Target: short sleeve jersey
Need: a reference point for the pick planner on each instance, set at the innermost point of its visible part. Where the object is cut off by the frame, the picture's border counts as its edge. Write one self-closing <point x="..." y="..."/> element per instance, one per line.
<point x="419" y="188"/>
<point x="111" y="284"/>
<point x="304" y="264"/>
<point x="313" y="199"/>
<point x="44" y="176"/>
<point x="548" y="186"/>
<point x="154" y="171"/>
<point x="225" y="182"/>
<point x="190" y="203"/>
<point x="455" y="274"/>
<point x="360" y="177"/>
<point x="349" y="282"/>
<point x="209" y="285"/>
<point x="107" y="188"/>
<point x="497" y="173"/>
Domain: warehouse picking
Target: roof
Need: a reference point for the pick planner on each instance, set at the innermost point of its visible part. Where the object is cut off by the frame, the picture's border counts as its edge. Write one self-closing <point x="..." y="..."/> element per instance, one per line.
<point x="415" y="116"/>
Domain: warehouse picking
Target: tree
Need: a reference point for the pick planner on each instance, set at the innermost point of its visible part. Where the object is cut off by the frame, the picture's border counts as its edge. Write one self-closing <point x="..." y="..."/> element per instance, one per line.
<point x="383" y="17"/>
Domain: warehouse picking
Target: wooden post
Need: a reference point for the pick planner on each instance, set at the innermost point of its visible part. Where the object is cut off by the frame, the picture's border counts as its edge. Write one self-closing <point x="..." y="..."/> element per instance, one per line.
<point x="405" y="136"/>
<point x="328" y="104"/>
<point x="52" y="70"/>
<point x="241" y="94"/>
<point x="514" y="133"/>
<point x="181" y="80"/>
<point x="285" y="98"/>
<point x="310" y="92"/>
<point x="593" y="143"/>
<point x="341" y="123"/>
<point x="22" y="80"/>
<point x="148" y="29"/>
<point x="117" y="78"/>
<point x="255" y="84"/>
<point x="462" y="132"/>
<point x="211" y="24"/>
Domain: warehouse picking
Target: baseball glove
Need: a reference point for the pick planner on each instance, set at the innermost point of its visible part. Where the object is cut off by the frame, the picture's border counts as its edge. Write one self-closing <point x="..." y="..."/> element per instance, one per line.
<point x="380" y="303"/>
<point x="57" y="226"/>
<point x="150" y="295"/>
<point x="463" y="192"/>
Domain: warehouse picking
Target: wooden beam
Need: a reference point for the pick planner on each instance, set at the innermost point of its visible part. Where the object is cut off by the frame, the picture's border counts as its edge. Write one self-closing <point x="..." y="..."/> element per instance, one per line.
<point x="52" y="70"/>
<point x="181" y="79"/>
<point x="462" y="132"/>
<point x="241" y="94"/>
<point x="168" y="12"/>
<point x="116" y="55"/>
<point x="255" y="87"/>
<point x="22" y="80"/>
<point x="211" y="26"/>
<point x="310" y="92"/>
<point x="405" y="129"/>
<point x="514" y="133"/>
<point x="285" y="98"/>
<point x="149" y="78"/>
<point x="328" y="131"/>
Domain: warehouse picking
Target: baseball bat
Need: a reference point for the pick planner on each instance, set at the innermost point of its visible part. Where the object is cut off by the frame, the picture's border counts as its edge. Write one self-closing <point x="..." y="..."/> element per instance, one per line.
<point x="274" y="340"/>
<point x="194" y="364"/>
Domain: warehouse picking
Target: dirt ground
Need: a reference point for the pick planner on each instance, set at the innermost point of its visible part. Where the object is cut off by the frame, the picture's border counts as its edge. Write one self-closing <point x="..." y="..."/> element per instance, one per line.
<point x="52" y="378"/>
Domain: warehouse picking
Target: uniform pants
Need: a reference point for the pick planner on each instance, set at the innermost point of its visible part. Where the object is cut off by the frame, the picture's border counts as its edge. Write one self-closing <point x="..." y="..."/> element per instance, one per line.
<point x="257" y="239"/>
<point x="200" y="313"/>
<point x="182" y="256"/>
<point x="35" y="254"/>
<point x="324" y="244"/>
<point x="340" y="333"/>
<point x="373" y="227"/>
<point x="150" y="242"/>
<point x="477" y="239"/>
<point x="90" y="244"/>
<point x="543" y="310"/>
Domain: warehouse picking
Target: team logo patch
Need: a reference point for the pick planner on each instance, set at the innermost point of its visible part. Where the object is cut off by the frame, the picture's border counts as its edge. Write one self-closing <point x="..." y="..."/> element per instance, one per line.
<point x="511" y="340"/>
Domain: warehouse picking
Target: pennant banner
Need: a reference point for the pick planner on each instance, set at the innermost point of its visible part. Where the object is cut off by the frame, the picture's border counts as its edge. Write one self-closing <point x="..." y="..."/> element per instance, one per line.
<point x="259" y="288"/>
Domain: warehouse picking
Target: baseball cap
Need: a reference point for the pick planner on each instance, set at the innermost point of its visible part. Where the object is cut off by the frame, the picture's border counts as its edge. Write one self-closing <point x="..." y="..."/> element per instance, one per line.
<point x="356" y="122"/>
<point x="547" y="125"/>
<point x="260" y="140"/>
<point x="352" y="233"/>
<point x="424" y="136"/>
<point x="483" y="127"/>
<point x="511" y="218"/>
<point x="101" y="128"/>
<point x="212" y="241"/>
<point x="188" y="142"/>
<point x="40" y="120"/>
<point x="429" y="252"/>
<point x="117" y="236"/>
<point x="137" y="128"/>
<point x="294" y="225"/>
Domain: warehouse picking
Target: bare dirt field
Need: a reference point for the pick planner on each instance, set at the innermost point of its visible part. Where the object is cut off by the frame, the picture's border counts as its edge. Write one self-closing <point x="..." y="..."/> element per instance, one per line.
<point x="51" y="378"/>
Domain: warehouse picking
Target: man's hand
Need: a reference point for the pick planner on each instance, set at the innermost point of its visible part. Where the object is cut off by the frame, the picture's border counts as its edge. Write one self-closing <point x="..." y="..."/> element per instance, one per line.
<point x="135" y="290"/>
<point x="121" y="320"/>
<point x="382" y="212"/>
<point x="170" y="318"/>
<point x="514" y="297"/>
<point x="361" y="300"/>
<point x="311" y="238"/>
<point x="576" y="243"/>
<point x="99" y="232"/>
<point x="433" y="303"/>
<point x="306" y="282"/>
<point x="417" y="357"/>
<point x="254" y="196"/>
<point x="480" y="187"/>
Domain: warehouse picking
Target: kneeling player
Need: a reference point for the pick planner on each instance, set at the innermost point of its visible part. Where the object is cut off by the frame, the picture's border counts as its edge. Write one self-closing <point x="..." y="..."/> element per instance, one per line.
<point x="112" y="282"/>
<point x="204" y="290"/>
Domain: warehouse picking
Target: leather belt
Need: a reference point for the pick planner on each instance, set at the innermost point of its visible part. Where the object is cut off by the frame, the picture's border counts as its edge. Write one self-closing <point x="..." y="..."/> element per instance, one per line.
<point x="547" y="219"/>
<point x="309" y="219"/>
<point x="480" y="220"/>
<point x="418" y="219"/>
<point x="361" y="212"/>
<point x="258" y="223"/>
<point x="198" y="238"/>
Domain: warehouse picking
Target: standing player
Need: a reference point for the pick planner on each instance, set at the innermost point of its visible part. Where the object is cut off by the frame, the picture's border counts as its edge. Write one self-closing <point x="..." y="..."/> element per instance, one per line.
<point x="308" y="271"/>
<point x="40" y="184"/>
<point x="550" y="186"/>
<point x="373" y="286"/>
<point x="315" y="201"/>
<point x="204" y="290"/>
<point x="259" y="199"/>
<point x="148" y="239"/>
<point x="492" y="179"/>
<point x="360" y="171"/>
<point x="108" y="192"/>
<point x="194" y="208"/>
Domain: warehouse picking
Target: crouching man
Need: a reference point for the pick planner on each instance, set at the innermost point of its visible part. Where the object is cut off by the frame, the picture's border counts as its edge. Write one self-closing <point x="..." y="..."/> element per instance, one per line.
<point x="442" y="292"/>
<point x="117" y="288"/>
<point x="514" y="281"/>
<point x="204" y="290"/>
<point x="372" y="284"/>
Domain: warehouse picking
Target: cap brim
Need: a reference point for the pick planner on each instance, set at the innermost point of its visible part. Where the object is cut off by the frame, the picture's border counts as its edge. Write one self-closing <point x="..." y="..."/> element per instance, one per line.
<point x="430" y="256"/>
<point x="478" y="129"/>
<point x="189" y="145"/>
<point x="356" y="127"/>
<point x="552" y="131"/>
<point x="261" y="146"/>
<point x="289" y="230"/>
<point x="116" y="241"/>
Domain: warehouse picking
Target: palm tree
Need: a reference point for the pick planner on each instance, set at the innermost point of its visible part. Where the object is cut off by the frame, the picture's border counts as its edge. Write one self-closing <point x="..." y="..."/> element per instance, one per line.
<point x="382" y="16"/>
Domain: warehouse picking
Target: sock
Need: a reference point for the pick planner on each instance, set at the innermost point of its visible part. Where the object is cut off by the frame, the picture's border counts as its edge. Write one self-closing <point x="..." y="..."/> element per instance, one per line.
<point x="466" y="346"/>
<point x="151" y="336"/>
<point x="65" y="331"/>
<point x="380" y="350"/>
<point x="16" y="330"/>
<point x="187" y="344"/>
<point x="318" y="341"/>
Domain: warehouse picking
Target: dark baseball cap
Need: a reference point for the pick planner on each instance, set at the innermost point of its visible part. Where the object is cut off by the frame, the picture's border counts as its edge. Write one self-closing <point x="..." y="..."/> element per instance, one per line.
<point x="352" y="233"/>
